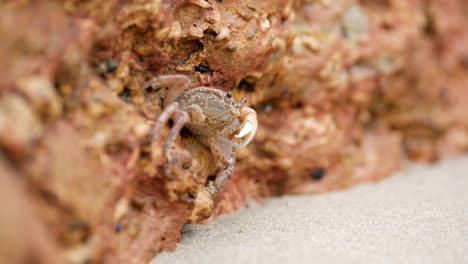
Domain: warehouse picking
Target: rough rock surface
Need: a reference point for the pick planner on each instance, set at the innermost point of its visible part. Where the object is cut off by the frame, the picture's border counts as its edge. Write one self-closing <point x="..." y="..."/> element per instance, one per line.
<point x="344" y="91"/>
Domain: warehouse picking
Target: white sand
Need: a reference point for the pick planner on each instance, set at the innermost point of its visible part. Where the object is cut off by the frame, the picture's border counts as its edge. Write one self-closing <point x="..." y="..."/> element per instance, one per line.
<point x="417" y="216"/>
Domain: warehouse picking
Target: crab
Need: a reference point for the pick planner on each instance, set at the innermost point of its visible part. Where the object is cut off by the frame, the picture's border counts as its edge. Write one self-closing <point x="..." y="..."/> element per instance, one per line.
<point x="214" y="117"/>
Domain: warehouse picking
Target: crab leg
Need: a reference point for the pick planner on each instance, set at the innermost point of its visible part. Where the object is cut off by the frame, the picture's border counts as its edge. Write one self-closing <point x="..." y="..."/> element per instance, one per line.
<point x="177" y="83"/>
<point x="163" y="118"/>
<point x="179" y="121"/>
<point x="223" y="177"/>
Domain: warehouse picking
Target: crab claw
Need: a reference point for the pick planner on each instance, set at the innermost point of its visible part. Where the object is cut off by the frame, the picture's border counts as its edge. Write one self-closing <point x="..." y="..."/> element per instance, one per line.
<point x="248" y="128"/>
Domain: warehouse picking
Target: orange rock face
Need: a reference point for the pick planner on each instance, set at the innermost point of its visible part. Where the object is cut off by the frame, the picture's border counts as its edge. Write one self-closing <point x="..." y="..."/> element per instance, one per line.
<point x="344" y="92"/>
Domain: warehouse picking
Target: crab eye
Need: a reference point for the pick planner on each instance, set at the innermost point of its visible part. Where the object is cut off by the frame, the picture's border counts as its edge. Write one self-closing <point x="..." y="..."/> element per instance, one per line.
<point x="244" y="101"/>
<point x="229" y="95"/>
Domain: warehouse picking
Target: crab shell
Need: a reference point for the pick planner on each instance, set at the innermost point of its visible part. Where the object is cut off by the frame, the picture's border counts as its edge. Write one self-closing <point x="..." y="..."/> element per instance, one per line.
<point x="214" y="112"/>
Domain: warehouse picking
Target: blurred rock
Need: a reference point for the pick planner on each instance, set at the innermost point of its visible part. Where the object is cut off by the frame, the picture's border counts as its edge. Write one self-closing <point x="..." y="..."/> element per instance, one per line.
<point x="351" y="88"/>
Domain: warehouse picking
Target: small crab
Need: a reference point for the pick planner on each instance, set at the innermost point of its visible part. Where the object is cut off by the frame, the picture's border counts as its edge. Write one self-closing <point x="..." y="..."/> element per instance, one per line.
<point x="213" y="116"/>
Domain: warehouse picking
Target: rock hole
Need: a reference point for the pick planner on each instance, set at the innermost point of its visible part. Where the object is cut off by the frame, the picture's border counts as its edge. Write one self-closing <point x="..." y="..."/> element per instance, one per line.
<point x="202" y="68"/>
<point x="210" y="33"/>
<point x="152" y="90"/>
<point x="170" y="123"/>
<point x="125" y="95"/>
<point x="246" y="86"/>
<point x="211" y="178"/>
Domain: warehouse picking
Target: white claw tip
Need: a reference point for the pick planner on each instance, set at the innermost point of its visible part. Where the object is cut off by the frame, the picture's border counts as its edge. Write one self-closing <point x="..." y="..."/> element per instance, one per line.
<point x="248" y="127"/>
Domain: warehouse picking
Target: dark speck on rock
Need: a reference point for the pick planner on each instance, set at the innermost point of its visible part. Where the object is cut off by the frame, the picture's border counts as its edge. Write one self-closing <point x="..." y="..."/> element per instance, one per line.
<point x="232" y="48"/>
<point x="266" y="108"/>
<point x="118" y="227"/>
<point x="108" y="66"/>
<point x="317" y="173"/>
<point x="202" y="69"/>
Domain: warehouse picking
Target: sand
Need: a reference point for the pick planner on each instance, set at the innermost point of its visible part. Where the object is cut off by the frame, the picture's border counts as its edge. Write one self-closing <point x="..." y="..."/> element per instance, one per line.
<point x="417" y="216"/>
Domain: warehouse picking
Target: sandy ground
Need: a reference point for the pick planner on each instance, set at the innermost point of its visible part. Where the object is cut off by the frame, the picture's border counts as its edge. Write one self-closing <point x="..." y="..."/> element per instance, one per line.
<point x="418" y="216"/>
